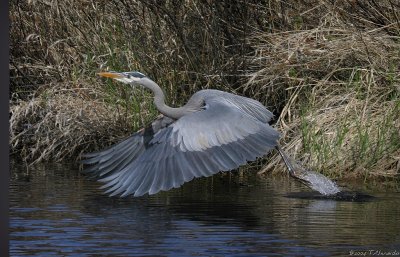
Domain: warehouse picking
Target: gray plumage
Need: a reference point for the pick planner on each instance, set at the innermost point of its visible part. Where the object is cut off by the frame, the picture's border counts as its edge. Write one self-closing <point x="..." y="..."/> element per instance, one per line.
<point x="215" y="131"/>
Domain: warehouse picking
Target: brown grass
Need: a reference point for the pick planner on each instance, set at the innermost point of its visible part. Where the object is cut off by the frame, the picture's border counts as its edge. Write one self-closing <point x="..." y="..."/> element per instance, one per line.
<point x="57" y="48"/>
<point x="62" y="123"/>
<point x="337" y="89"/>
<point x="328" y="69"/>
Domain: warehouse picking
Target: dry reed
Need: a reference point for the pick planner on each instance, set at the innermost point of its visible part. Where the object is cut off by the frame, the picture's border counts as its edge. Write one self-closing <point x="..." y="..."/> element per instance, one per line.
<point x="328" y="69"/>
<point x="336" y="88"/>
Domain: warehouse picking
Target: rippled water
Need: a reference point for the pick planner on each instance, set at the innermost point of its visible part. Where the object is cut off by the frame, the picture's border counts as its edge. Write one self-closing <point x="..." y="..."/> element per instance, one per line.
<point x="55" y="211"/>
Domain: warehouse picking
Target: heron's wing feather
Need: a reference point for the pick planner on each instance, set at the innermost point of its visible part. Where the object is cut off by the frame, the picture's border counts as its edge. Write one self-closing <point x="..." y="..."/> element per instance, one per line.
<point x="221" y="123"/>
<point x="219" y="138"/>
<point x="119" y="156"/>
<point x="249" y="106"/>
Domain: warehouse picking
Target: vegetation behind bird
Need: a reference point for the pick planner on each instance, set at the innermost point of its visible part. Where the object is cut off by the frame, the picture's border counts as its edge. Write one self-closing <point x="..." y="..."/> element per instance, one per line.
<point x="332" y="77"/>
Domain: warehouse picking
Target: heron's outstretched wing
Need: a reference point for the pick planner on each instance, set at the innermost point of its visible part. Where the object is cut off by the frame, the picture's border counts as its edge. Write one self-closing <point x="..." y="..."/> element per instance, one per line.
<point x="219" y="138"/>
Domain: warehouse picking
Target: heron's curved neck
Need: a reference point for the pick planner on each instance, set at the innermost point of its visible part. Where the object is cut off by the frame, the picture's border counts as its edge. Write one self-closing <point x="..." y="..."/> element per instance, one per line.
<point x="159" y="101"/>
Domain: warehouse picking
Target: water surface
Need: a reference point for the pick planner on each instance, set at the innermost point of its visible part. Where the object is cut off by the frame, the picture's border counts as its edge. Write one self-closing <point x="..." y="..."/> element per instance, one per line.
<point x="55" y="211"/>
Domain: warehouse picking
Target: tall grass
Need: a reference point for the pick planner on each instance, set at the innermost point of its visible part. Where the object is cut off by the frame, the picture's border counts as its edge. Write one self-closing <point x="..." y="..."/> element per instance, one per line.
<point x="57" y="47"/>
<point x="329" y="70"/>
<point x="338" y="88"/>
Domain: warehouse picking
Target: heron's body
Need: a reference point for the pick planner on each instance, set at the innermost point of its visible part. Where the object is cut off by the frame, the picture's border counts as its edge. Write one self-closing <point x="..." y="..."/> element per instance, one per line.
<point x="215" y="131"/>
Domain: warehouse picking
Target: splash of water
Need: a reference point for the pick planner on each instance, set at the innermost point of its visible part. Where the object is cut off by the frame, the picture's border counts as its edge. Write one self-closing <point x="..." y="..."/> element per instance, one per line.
<point x="320" y="183"/>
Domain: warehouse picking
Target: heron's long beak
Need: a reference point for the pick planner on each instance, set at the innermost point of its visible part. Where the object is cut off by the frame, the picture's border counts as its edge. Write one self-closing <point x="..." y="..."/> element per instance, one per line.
<point x="111" y="74"/>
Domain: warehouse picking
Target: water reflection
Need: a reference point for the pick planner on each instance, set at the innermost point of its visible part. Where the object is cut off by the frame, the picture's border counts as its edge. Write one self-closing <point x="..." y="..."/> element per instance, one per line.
<point x="56" y="211"/>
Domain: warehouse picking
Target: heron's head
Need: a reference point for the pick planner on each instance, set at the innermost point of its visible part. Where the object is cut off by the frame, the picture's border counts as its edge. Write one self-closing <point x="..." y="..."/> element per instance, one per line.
<point x="132" y="78"/>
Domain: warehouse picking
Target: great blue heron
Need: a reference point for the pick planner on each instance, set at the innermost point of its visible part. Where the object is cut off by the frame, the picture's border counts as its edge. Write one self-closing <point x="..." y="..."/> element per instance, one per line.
<point x="214" y="131"/>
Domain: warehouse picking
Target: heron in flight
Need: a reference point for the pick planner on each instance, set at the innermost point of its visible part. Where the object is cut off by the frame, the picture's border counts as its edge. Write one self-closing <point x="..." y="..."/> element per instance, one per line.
<point x="214" y="131"/>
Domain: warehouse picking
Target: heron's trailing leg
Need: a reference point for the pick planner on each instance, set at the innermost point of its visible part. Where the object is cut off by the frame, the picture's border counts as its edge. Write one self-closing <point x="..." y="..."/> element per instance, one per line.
<point x="313" y="180"/>
<point x="287" y="161"/>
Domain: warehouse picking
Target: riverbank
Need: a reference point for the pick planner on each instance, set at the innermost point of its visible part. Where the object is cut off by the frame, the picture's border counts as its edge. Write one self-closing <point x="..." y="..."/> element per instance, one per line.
<point x="330" y="73"/>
